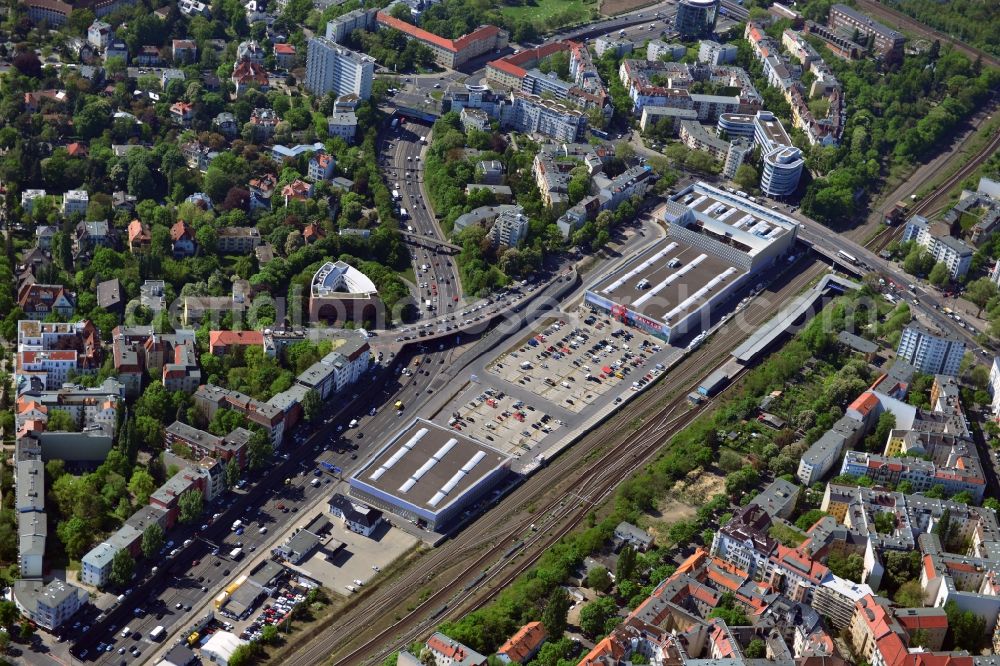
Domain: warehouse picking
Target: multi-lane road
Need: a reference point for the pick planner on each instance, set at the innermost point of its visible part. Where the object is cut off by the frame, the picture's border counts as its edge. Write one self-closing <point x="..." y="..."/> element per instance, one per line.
<point x="402" y="156"/>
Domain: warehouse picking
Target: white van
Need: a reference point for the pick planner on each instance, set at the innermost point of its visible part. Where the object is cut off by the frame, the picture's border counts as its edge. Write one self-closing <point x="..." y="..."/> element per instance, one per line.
<point x="353" y="423"/>
<point x="315" y="483"/>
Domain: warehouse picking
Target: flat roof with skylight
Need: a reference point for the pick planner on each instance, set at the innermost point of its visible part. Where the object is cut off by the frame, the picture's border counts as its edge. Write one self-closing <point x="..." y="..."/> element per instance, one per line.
<point x="428" y="472"/>
<point x="668" y="283"/>
<point x="732" y="221"/>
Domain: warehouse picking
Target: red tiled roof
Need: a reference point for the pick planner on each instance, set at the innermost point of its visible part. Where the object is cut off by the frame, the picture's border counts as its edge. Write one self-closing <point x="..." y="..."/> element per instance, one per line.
<point x="182" y="108"/>
<point x="937" y="620"/>
<point x="137" y="231"/>
<point x="234" y="338"/>
<point x="524" y="643"/>
<point x="180" y="230"/>
<point x="284" y="49"/>
<point x="929" y="567"/>
<point x="249" y="72"/>
<point x="76" y="149"/>
<point x="453" y="45"/>
<point x="296" y="189"/>
<point x="865" y="402"/>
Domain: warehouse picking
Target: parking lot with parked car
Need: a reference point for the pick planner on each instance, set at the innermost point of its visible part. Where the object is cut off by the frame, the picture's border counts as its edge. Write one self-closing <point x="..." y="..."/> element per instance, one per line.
<point x="572" y="366"/>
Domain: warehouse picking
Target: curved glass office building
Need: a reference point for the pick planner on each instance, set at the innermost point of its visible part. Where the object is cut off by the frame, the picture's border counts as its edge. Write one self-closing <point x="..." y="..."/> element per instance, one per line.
<point x="696" y="18"/>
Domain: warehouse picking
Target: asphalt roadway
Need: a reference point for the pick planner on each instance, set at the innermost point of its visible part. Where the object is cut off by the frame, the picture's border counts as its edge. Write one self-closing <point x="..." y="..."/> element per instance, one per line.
<point x="925" y="301"/>
<point x="177" y="579"/>
<point x="402" y="163"/>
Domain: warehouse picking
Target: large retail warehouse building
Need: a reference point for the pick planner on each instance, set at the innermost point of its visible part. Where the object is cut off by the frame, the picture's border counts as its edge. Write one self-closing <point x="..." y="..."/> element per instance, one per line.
<point x="429" y="474"/>
<point x="716" y="242"/>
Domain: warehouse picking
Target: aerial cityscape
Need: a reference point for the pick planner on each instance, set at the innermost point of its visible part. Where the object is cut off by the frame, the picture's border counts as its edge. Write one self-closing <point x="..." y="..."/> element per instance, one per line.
<point x="546" y="332"/>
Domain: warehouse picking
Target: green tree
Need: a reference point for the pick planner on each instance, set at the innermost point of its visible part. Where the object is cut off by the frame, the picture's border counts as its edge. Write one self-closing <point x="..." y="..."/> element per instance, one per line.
<point x="9" y="613"/>
<point x="554" y="615"/>
<point x="809" y="518"/>
<point x="232" y="472"/>
<point x="76" y="536"/>
<point x="141" y="485"/>
<point x="311" y="404"/>
<point x="850" y="567"/>
<point x="152" y="540"/>
<point x="966" y="631"/>
<point x="599" y="579"/>
<point x="595" y="616"/>
<point x="190" y="506"/>
<point x="939" y="275"/>
<point x="746" y="178"/>
<point x="259" y="450"/>
<point x="757" y="649"/>
<point x="122" y="566"/>
<point x="61" y="421"/>
<point x="626" y="564"/>
<point x="980" y="292"/>
<point x="909" y="595"/>
<point x="269" y="635"/>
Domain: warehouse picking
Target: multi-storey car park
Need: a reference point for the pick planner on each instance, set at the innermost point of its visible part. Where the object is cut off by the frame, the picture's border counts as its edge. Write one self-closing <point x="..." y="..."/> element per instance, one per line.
<point x="716" y="242"/>
<point x="430" y="474"/>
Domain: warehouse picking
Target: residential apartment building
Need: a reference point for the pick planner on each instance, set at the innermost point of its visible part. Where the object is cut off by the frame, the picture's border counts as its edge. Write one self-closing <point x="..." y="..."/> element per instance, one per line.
<point x="825" y="453"/>
<point x="49" y="606"/>
<point x="714" y="53"/>
<point x="509" y="228"/>
<point x="237" y="240"/>
<point x="930" y="352"/>
<point x="99" y="34"/>
<point x="533" y="114"/>
<point x="450" y="53"/>
<point x="334" y="68"/>
<point x="885" y="41"/>
<point x="75" y="202"/>
<point x="204" y="444"/>
<point x="339" y="28"/>
<point x="343" y="124"/>
<point x="954" y="253"/>
<point x="655" y="83"/>
<point x="657" y="50"/>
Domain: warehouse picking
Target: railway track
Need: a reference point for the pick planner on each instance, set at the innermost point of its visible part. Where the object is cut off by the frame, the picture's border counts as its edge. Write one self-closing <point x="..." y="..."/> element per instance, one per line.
<point x="938" y="200"/>
<point x="486" y="548"/>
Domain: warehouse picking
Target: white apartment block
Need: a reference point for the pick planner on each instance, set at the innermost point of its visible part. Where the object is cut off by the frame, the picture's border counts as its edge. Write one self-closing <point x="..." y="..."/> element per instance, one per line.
<point x="952" y="252"/>
<point x="510" y="228"/>
<point x="75" y="201"/>
<point x="343" y="124"/>
<point x="360" y="19"/>
<point x="532" y="114"/>
<point x="714" y="53"/>
<point x="333" y="68"/>
<point x="28" y="198"/>
<point x="929" y="352"/>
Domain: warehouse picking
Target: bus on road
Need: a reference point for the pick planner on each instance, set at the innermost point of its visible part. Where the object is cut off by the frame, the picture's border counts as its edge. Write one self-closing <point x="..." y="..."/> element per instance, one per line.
<point x="849" y="258"/>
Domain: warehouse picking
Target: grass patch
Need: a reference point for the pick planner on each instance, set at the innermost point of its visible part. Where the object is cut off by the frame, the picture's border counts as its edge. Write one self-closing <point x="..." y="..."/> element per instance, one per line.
<point x="787" y="535"/>
<point x="542" y="10"/>
<point x="409" y="275"/>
